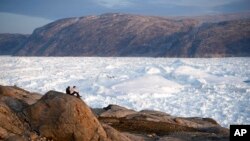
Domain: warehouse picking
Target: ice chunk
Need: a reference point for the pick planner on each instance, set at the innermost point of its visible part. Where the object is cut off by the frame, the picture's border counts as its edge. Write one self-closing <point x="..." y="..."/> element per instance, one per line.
<point x="148" y="84"/>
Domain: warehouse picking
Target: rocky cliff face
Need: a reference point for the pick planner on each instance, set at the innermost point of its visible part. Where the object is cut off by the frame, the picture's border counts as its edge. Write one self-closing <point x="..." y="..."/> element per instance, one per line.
<point x="11" y="43"/>
<point x="224" y="39"/>
<point x="60" y="117"/>
<point x="106" y="35"/>
<point x="133" y="35"/>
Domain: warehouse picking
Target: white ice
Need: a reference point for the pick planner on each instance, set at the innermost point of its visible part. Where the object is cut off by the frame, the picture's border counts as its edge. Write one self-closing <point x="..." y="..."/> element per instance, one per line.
<point x="218" y="88"/>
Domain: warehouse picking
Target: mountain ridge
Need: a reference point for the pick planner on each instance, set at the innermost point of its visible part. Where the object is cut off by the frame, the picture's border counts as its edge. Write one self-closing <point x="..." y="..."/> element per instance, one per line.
<point x="11" y="43"/>
<point x="126" y="35"/>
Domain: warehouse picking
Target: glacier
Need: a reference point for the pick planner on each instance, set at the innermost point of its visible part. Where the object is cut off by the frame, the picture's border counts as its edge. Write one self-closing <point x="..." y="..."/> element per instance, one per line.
<point x="195" y="87"/>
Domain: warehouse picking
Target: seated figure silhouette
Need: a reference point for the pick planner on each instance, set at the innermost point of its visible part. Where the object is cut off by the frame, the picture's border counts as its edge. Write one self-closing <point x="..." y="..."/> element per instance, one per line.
<point x="72" y="91"/>
<point x="68" y="90"/>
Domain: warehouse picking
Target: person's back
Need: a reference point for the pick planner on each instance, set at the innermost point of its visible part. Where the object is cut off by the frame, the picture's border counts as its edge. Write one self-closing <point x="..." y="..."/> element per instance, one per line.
<point x="68" y="90"/>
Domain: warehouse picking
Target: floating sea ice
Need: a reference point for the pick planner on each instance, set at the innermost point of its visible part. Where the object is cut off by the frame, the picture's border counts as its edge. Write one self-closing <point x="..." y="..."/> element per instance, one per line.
<point x="216" y="88"/>
<point x="192" y="75"/>
<point x="148" y="84"/>
<point x="152" y="70"/>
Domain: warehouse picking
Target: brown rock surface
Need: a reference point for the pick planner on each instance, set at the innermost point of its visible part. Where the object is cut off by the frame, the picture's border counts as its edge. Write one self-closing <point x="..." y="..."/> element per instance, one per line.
<point x="10" y="124"/>
<point x="64" y="117"/>
<point x="155" y="125"/>
<point x="116" y="111"/>
<point x="17" y="93"/>
<point x="55" y="116"/>
<point x="12" y="101"/>
<point x="113" y="134"/>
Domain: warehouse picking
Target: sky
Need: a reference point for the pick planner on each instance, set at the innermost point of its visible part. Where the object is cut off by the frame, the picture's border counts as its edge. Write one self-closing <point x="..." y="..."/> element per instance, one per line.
<point x="23" y="16"/>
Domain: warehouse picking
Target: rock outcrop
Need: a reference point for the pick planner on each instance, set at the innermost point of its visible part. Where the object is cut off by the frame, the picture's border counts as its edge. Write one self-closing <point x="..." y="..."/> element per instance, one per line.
<point x="155" y="125"/>
<point x="63" y="117"/>
<point x="13" y="101"/>
<point x="60" y="117"/>
<point x="55" y="116"/>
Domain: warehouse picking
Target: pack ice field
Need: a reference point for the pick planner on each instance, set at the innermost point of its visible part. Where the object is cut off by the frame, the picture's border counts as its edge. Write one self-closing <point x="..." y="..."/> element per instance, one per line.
<point x="217" y="87"/>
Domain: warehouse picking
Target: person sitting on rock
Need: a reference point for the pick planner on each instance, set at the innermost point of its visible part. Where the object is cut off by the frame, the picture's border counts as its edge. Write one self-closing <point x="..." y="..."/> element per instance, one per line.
<point x="74" y="91"/>
<point x="68" y="90"/>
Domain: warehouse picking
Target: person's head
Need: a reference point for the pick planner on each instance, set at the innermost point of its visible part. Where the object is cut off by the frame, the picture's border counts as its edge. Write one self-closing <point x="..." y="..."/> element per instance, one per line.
<point x="74" y="86"/>
<point x="68" y="86"/>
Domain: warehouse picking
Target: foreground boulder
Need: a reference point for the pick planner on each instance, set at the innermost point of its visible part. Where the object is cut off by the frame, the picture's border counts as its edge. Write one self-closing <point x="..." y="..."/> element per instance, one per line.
<point x="63" y="118"/>
<point x="17" y="93"/>
<point x="12" y="101"/>
<point x="55" y="116"/>
<point x="155" y="125"/>
<point x="10" y="124"/>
